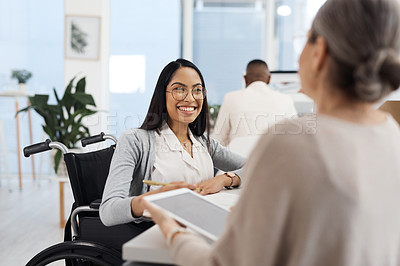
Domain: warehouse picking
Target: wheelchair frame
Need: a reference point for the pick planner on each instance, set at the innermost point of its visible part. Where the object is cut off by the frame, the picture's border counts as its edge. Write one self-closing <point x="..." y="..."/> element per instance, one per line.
<point x="77" y="251"/>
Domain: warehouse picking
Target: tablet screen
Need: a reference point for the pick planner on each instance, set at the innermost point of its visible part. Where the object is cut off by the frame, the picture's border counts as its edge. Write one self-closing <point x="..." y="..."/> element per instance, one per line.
<point x="195" y="210"/>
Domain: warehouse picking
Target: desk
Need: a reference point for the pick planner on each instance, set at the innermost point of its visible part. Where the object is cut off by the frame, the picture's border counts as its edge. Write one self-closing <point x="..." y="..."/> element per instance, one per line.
<point x="61" y="182"/>
<point x="17" y="94"/>
<point x="150" y="246"/>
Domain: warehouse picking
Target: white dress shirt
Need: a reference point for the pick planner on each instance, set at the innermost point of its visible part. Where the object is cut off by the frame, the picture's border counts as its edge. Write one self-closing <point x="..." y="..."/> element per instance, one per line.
<point x="251" y="111"/>
<point x="173" y="163"/>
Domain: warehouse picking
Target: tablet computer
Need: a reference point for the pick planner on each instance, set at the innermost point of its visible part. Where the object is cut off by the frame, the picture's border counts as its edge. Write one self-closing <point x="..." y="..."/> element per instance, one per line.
<point x="192" y="210"/>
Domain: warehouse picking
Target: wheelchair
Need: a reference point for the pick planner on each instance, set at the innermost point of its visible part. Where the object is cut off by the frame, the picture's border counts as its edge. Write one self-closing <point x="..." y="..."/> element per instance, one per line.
<point x="89" y="242"/>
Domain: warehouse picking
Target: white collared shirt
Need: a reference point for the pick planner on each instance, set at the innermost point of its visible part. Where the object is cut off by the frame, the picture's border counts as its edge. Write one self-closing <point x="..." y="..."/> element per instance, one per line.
<point x="252" y="112"/>
<point x="173" y="163"/>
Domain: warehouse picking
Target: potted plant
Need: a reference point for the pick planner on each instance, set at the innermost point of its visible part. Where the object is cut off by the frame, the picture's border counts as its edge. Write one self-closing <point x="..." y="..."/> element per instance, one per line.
<point x="22" y="76"/>
<point x="213" y="110"/>
<point x="63" y="120"/>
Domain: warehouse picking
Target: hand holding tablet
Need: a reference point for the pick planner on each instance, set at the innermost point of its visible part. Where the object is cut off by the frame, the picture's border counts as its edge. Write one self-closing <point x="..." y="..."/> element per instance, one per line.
<point x="192" y="210"/>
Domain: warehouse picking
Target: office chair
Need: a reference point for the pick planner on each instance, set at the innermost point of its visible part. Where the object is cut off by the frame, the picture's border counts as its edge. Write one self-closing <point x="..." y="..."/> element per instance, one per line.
<point x="89" y="241"/>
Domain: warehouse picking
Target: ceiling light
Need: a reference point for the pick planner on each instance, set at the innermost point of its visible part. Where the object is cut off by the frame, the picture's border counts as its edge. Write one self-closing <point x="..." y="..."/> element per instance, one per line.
<point x="284" y="10"/>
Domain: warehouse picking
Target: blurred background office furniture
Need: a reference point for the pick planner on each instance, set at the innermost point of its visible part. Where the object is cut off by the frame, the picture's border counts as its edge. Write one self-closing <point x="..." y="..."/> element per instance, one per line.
<point x="16" y="94"/>
<point x="4" y="157"/>
<point x="288" y="82"/>
<point x="393" y="108"/>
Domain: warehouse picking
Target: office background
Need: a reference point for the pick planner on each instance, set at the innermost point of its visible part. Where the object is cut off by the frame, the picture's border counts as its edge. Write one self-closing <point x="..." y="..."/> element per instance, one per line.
<point x="137" y="39"/>
<point x="142" y="37"/>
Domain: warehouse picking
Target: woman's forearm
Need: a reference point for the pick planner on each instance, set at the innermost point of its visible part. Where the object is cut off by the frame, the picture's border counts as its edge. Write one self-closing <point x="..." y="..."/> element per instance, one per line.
<point x="137" y="209"/>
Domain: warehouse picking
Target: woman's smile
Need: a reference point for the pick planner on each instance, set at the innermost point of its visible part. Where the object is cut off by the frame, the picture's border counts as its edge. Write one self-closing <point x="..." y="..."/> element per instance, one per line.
<point x="189" y="110"/>
<point x="186" y="109"/>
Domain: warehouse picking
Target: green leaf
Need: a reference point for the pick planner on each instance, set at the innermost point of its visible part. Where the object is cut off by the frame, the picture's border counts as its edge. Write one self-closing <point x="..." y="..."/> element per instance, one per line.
<point x="68" y="89"/>
<point x="63" y="119"/>
<point x="81" y="85"/>
<point x="23" y="110"/>
<point x="80" y="90"/>
<point x="68" y="101"/>
<point x="56" y="95"/>
<point x="39" y="100"/>
<point x="84" y="99"/>
<point x="57" y="160"/>
<point x="21" y="75"/>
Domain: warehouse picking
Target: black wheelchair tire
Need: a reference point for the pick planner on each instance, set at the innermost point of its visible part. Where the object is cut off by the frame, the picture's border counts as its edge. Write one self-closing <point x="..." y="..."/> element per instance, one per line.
<point x="85" y="250"/>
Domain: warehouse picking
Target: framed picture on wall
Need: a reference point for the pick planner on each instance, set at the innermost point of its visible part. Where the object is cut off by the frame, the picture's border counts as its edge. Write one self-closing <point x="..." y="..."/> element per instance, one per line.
<point x="82" y="37"/>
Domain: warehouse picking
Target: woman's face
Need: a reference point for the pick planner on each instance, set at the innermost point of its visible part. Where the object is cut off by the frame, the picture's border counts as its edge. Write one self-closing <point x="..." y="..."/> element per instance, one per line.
<point x="186" y="110"/>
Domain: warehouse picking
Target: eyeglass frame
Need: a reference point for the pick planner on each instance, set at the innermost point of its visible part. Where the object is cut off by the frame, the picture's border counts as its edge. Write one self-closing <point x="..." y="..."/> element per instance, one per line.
<point x="204" y="92"/>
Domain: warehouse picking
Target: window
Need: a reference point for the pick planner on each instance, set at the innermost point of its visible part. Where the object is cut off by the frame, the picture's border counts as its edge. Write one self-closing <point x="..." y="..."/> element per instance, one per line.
<point x="28" y="41"/>
<point x="127" y="73"/>
<point x="145" y="36"/>
<point x="228" y="34"/>
<point x="292" y="21"/>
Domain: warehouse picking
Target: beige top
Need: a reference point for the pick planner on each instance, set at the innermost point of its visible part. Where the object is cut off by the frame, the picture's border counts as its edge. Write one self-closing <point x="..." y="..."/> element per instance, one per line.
<point x="328" y="197"/>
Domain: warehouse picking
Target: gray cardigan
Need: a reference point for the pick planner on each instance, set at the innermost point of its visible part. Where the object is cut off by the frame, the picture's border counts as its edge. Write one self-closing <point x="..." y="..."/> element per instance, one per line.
<point x="133" y="162"/>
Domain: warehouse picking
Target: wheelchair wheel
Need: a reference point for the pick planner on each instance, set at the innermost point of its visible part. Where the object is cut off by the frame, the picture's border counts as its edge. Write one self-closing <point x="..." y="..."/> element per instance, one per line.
<point x="78" y="251"/>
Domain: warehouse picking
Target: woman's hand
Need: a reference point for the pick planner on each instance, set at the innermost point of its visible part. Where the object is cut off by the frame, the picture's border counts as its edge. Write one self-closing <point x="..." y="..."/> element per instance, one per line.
<point x="172" y="186"/>
<point x="160" y="217"/>
<point x="137" y="209"/>
<point x="214" y="185"/>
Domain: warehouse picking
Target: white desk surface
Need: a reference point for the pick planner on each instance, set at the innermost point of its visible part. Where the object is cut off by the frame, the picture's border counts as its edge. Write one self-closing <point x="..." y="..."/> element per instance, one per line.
<point x="15" y="93"/>
<point x="150" y="246"/>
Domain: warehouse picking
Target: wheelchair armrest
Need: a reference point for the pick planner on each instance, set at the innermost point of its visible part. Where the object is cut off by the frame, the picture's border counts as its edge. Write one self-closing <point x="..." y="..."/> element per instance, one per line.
<point x="95" y="204"/>
<point x="74" y="218"/>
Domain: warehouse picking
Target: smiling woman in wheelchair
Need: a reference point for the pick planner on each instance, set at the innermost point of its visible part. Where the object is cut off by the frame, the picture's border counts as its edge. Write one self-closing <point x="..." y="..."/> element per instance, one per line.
<point x="170" y="147"/>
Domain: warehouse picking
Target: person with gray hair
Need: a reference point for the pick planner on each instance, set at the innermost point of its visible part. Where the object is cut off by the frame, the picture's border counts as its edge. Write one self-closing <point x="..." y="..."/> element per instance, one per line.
<point x="364" y="61"/>
<point x="325" y="193"/>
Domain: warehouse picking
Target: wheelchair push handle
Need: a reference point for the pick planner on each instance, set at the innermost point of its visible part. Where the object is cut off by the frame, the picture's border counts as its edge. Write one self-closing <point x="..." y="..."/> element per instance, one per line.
<point x="37" y="148"/>
<point x="44" y="146"/>
<point x="92" y="139"/>
<point x="97" y="138"/>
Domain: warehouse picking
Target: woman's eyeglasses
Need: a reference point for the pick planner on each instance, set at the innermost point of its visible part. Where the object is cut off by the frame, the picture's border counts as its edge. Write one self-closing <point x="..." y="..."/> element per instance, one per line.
<point x="180" y="93"/>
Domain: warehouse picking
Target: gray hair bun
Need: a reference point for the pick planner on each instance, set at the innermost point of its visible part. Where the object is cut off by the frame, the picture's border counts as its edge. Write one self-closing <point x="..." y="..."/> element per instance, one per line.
<point x="363" y="38"/>
<point x="373" y="78"/>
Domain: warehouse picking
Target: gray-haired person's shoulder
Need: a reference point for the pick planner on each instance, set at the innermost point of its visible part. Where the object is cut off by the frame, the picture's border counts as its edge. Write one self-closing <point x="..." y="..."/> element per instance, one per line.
<point x="299" y="126"/>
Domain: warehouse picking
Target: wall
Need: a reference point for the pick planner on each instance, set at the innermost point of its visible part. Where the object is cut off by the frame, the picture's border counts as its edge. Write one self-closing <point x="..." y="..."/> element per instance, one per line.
<point x="150" y="29"/>
<point x="96" y="71"/>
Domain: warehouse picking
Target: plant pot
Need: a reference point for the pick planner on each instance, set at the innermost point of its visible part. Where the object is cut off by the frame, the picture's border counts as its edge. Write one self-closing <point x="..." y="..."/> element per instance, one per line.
<point x="22" y="87"/>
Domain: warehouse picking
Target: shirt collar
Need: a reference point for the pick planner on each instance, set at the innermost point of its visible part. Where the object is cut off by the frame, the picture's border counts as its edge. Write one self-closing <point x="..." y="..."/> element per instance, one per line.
<point x="258" y="85"/>
<point x="173" y="142"/>
<point x="169" y="137"/>
<point x="195" y="142"/>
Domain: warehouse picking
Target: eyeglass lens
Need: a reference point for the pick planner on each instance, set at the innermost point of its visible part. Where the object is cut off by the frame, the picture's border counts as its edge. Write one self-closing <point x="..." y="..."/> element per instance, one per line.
<point x="180" y="93"/>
